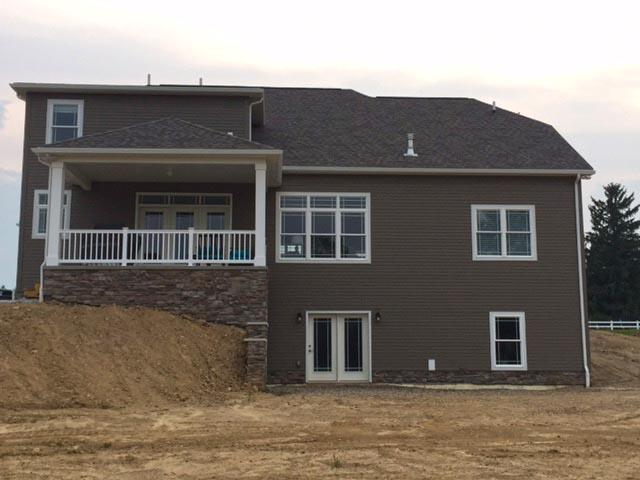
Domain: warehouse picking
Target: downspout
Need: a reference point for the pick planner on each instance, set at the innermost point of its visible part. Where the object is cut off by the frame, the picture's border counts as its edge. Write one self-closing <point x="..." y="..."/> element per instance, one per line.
<point x="251" y="113"/>
<point x="579" y="243"/>
<point x="41" y="291"/>
<point x="46" y="239"/>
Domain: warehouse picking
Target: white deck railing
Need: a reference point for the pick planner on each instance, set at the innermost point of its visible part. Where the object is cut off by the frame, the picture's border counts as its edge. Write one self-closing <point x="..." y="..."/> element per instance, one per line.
<point x="182" y="247"/>
<point x="615" y="325"/>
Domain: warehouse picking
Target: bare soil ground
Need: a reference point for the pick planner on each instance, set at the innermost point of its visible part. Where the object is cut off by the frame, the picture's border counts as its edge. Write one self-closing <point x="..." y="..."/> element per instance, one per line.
<point x="63" y="356"/>
<point x="615" y="359"/>
<point x="293" y="432"/>
<point x="347" y="433"/>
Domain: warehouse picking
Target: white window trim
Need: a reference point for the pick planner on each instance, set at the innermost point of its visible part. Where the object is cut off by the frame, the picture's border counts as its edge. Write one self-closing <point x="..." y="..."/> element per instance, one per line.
<point x="523" y="341"/>
<point x="338" y="229"/>
<point x="63" y="101"/>
<point x="37" y="207"/>
<point x="503" y="231"/>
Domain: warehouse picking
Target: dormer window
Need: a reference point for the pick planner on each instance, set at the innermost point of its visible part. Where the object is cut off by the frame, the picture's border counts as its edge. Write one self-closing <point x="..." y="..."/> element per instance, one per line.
<point x="64" y="120"/>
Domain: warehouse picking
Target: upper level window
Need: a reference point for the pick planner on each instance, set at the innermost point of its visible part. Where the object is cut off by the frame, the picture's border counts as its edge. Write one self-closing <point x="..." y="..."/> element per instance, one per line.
<point x="323" y="227"/>
<point x="503" y="232"/>
<point x="508" y="341"/>
<point x="40" y="212"/>
<point x="64" y="120"/>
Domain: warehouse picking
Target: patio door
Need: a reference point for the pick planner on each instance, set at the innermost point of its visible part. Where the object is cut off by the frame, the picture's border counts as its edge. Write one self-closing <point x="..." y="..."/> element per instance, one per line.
<point x="338" y="347"/>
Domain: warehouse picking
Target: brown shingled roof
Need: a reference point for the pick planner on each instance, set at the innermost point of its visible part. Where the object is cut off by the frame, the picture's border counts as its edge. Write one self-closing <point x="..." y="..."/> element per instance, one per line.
<point x="166" y="133"/>
<point x="343" y="128"/>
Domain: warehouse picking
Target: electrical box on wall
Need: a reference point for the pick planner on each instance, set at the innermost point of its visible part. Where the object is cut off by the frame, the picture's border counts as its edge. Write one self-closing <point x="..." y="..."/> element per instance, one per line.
<point x="431" y="364"/>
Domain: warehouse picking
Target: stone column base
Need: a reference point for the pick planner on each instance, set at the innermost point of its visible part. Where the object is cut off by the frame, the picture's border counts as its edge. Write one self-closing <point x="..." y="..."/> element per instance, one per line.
<point x="256" y="353"/>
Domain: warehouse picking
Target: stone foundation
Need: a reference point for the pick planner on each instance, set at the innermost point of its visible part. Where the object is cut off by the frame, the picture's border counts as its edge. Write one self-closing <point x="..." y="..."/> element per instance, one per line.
<point x="480" y="377"/>
<point x="453" y="376"/>
<point x="229" y="295"/>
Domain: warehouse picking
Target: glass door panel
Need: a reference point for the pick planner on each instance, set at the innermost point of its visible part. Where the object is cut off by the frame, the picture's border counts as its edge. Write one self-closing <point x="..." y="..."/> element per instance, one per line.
<point x="153" y="220"/>
<point x="149" y="246"/>
<point x="321" y="348"/>
<point x="184" y="220"/>
<point x="352" y="344"/>
<point x="353" y="356"/>
<point x="322" y="345"/>
<point x="215" y="221"/>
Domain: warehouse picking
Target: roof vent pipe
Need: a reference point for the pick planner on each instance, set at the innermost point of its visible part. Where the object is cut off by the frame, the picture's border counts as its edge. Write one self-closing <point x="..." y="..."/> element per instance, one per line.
<point x="410" y="152"/>
<point x="200" y="83"/>
<point x="493" y="108"/>
<point x="148" y="79"/>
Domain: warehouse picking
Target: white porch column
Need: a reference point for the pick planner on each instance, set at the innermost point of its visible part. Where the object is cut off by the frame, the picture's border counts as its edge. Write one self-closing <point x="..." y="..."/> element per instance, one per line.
<point x="261" y="212"/>
<point x="54" y="213"/>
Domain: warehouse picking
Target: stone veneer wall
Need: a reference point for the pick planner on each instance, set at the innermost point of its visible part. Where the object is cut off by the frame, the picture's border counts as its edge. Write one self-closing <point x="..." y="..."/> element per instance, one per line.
<point x="230" y="295"/>
<point x="453" y="376"/>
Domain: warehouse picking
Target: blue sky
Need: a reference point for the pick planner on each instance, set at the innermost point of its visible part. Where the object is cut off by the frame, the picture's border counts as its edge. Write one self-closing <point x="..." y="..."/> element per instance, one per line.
<point x="572" y="64"/>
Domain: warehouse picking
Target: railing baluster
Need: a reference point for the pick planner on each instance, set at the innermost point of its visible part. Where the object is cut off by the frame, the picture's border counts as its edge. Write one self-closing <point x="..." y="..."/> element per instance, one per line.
<point x="188" y="247"/>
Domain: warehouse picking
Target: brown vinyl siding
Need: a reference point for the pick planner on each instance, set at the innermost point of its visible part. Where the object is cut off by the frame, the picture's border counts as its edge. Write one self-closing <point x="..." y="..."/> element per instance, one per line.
<point x="101" y="113"/>
<point x="433" y="298"/>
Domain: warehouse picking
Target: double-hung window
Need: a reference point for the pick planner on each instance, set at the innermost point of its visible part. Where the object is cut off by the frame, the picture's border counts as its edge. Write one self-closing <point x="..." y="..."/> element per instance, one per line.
<point x="503" y="232"/>
<point x="64" y="119"/>
<point x="508" y="341"/>
<point x="41" y="209"/>
<point x="323" y="227"/>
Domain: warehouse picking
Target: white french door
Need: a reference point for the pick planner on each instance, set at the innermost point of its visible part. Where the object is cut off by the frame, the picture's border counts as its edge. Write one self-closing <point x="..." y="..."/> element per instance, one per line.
<point x="183" y="218"/>
<point x="338" y="347"/>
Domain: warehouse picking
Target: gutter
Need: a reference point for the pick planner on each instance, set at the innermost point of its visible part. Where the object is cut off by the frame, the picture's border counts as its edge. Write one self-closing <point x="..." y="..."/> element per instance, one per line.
<point x="580" y="244"/>
<point x="318" y="170"/>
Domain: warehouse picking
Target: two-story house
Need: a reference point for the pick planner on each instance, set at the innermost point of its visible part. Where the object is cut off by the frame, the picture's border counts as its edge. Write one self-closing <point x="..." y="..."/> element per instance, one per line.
<point x="356" y="238"/>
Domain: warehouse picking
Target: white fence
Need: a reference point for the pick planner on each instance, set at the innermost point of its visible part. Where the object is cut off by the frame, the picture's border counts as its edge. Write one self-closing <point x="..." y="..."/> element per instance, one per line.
<point x="615" y="325"/>
<point x="128" y="247"/>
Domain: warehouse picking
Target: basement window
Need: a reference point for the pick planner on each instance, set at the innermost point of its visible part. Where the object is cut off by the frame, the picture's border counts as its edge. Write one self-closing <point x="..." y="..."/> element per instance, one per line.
<point x="508" y="341"/>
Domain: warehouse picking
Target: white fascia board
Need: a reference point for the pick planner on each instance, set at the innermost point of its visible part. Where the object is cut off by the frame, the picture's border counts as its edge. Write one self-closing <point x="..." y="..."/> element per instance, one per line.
<point x="21" y="88"/>
<point x="430" y="171"/>
<point x="155" y="151"/>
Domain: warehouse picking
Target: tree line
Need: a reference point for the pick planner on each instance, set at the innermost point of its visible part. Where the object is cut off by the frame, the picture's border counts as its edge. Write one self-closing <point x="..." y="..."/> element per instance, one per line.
<point x="613" y="256"/>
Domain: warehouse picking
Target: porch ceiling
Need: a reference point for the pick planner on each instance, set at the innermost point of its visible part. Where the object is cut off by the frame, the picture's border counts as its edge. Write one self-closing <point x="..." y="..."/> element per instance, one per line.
<point x="85" y="166"/>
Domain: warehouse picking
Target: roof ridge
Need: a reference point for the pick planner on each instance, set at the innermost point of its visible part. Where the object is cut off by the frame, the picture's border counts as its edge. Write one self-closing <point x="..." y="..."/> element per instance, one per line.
<point x="98" y="134"/>
<point x="413" y="97"/>
<point x="218" y="132"/>
<point x="163" y="119"/>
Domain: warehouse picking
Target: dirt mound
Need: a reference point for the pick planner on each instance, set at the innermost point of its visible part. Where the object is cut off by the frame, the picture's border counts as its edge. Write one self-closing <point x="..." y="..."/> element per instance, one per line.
<point x="615" y="359"/>
<point x="62" y="356"/>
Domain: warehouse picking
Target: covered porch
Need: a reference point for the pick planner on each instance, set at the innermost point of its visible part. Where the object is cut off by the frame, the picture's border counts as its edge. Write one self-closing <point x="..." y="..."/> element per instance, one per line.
<point x="157" y="204"/>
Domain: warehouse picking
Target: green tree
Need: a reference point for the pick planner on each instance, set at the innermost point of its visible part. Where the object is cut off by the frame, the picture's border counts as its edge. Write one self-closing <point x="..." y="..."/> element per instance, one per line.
<point x="613" y="256"/>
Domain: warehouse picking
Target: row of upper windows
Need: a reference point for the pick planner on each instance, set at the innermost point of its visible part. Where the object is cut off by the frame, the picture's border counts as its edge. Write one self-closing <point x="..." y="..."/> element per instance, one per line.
<point x="328" y="227"/>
